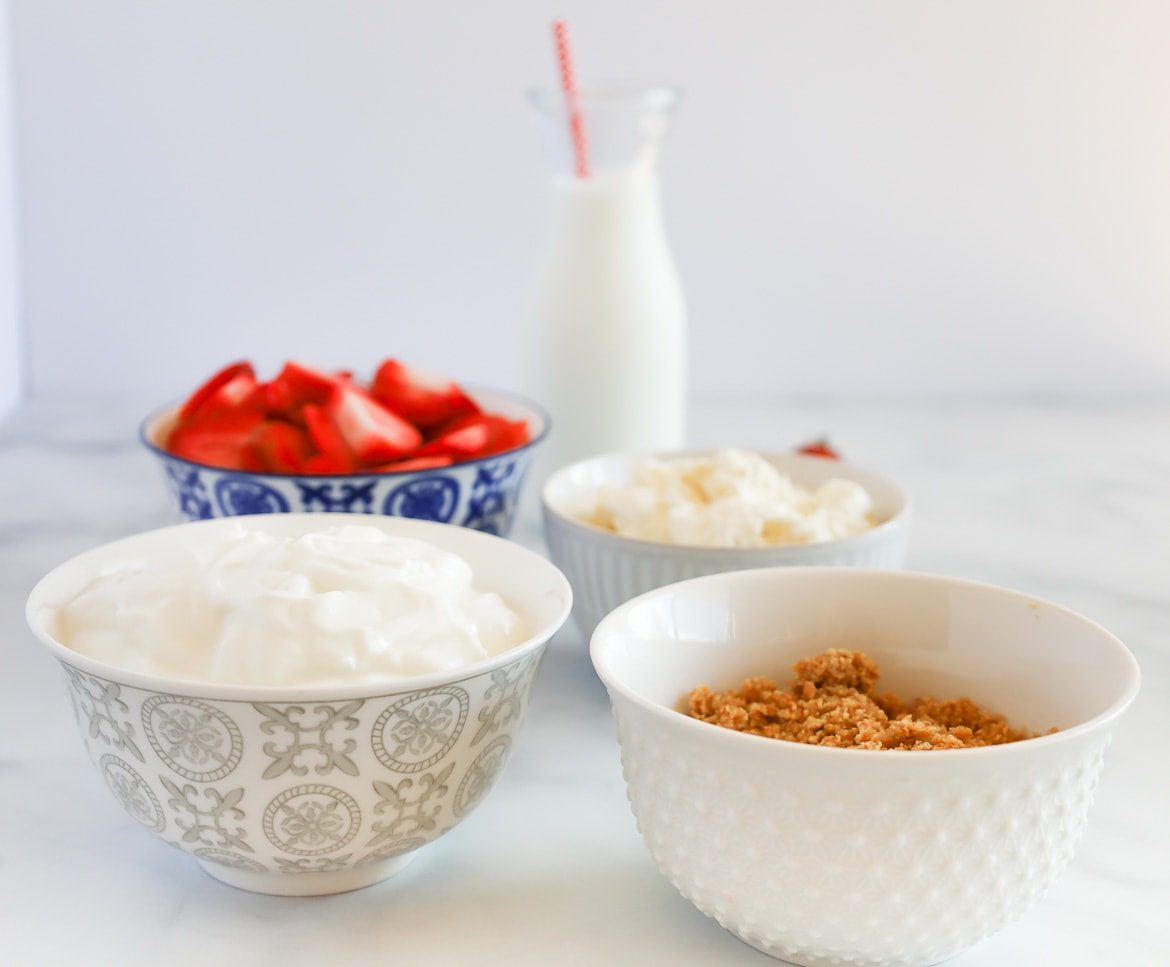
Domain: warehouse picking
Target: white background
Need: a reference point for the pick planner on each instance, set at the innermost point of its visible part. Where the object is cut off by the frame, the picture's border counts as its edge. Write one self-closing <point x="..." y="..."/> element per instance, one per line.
<point x="10" y="362"/>
<point x="906" y="198"/>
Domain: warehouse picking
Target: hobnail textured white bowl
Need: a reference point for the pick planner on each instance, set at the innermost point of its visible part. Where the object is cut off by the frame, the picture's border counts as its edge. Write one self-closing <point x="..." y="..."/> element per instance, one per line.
<point x="826" y="857"/>
<point x="315" y="789"/>
<point x="606" y="569"/>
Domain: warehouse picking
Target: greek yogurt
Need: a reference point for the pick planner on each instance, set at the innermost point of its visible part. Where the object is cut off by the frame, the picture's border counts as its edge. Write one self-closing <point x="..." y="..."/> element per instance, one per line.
<point x="347" y="603"/>
<point x="734" y="498"/>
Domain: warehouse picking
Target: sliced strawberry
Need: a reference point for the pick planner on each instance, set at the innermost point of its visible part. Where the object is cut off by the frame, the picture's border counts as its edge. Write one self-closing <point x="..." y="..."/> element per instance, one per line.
<point x="320" y="463"/>
<point x="818" y="448"/>
<point x="295" y="385"/>
<point x="432" y="462"/>
<point x="232" y="387"/>
<point x="462" y="441"/>
<point x="478" y="435"/>
<point x="220" y="438"/>
<point x="312" y="421"/>
<point x="373" y="434"/>
<point x="282" y="447"/>
<point x="421" y="397"/>
<point x="333" y="454"/>
<point x="507" y="435"/>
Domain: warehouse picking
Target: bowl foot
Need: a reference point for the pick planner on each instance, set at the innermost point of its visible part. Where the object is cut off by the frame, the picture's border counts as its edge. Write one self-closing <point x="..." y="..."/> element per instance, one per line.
<point x="830" y="960"/>
<point x="307" y="884"/>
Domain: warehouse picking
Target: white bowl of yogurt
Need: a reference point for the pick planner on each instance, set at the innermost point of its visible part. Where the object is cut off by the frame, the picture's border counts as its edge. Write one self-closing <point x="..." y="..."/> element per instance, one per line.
<point x="300" y="701"/>
<point x="621" y="524"/>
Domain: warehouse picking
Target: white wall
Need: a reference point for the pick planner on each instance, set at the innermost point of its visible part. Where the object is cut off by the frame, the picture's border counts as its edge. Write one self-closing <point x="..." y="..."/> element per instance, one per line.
<point x="894" y="198"/>
<point x="10" y="345"/>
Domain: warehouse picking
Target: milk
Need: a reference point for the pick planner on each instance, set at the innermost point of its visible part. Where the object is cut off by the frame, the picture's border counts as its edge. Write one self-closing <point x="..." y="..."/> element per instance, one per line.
<point x="607" y="348"/>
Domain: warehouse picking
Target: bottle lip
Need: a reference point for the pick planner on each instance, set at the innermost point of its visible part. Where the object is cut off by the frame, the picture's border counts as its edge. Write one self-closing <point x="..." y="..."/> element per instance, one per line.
<point x="608" y="97"/>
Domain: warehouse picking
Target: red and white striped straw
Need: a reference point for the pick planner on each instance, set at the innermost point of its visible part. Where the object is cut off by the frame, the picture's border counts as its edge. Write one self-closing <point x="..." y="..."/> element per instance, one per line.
<point x="569" y="86"/>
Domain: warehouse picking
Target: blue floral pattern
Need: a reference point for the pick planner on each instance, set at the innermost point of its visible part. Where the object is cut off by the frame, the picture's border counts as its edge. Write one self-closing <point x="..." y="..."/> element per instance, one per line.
<point x="186" y="483"/>
<point x="479" y="494"/>
<point x="427" y="498"/>
<point x="346" y="496"/>
<point x="493" y="496"/>
<point x="243" y="495"/>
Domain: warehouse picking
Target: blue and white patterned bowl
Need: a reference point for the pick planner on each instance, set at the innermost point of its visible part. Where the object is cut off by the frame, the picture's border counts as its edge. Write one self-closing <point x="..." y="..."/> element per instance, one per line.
<point x="307" y="790"/>
<point x="481" y="494"/>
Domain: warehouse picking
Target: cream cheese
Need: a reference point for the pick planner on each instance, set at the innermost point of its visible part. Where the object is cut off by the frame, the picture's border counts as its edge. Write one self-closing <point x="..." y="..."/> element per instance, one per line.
<point x="734" y="498"/>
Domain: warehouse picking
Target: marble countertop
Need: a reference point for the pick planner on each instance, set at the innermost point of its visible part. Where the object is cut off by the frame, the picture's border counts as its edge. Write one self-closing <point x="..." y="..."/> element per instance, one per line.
<point x="1068" y="502"/>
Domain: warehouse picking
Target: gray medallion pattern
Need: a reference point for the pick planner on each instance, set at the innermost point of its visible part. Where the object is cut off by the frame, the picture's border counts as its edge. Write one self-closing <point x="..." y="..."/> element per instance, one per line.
<point x="104" y="712"/>
<point x="208" y="816"/>
<point x="416" y="732"/>
<point x="307" y="737"/>
<point x="291" y="788"/>
<point x="227" y="858"/>
<point x="505" y="696"/>
<point x="410" y="807"/>
<point x="311" y="819"/>
<point x="399" y="847"/>
<point x="194" y="739"/>
<point x="482" y="774"/>
<point x="133" y="792"/>
<point x="315" y="864"/>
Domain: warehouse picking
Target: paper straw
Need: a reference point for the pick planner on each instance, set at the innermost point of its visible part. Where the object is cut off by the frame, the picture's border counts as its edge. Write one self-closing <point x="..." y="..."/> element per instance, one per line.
<point x="569" y="86"/>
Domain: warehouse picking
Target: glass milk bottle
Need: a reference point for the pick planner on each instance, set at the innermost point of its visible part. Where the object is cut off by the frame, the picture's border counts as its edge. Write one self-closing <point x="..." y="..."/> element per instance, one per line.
<point x="607" y="341"/>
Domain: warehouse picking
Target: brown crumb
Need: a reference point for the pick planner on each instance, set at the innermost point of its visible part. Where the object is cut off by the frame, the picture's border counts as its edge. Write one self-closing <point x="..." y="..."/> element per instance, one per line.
<point x="831" y="701"/>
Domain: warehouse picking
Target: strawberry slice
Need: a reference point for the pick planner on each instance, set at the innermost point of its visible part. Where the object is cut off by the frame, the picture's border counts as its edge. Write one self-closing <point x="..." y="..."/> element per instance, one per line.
<point x="506" y="435"/>
<point x="818" y="448"/>
<point x="320" y="463"/>
<point x="309" y="420"/>
<point x="477" y="435"/>
<point x="296" y="385"/>
<point x="432" y="462"/>
<point x="373" y="434"/>
<point x="232" y="387"/>
<point x="281" y="447"/>
<point x="333" y="454"/>
<point x="220" y="438"/>
<point x="418" y="396"/>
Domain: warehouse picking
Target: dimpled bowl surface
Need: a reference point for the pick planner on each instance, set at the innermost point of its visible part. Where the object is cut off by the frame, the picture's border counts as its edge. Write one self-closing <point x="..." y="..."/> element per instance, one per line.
<point x="606" y="569"/>
<point x="481" y="494"/>
<point x="315" y="789"/>
<point x="822" y="856"/>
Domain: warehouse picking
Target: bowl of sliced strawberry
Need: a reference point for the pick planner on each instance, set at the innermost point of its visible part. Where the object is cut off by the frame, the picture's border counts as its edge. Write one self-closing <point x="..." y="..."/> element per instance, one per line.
<point x="406" y="443"/>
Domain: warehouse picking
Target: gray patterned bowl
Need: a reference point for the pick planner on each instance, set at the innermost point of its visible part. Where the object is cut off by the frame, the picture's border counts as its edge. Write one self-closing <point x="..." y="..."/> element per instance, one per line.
<point x="482" y="494"/>
<point x="828" y="857"/>
<point x="308" y="790"/>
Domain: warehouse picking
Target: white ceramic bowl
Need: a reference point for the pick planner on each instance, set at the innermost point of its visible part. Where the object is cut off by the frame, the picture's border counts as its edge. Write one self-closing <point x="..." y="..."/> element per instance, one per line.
<point x="822" y="856"/>
<point x="482" y="494"/>
<point x="606" y="569"/>
<point x="314" y="789"/>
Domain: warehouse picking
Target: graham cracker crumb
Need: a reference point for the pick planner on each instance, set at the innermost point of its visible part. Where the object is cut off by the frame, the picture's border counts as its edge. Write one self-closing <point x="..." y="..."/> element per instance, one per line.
<point x="832" y="702"/>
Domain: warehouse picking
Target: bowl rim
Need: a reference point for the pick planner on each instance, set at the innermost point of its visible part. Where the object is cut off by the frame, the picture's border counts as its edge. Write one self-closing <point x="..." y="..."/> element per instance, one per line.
<point x="324" y="692"/>
<point x="924" y="758"/>
<point x="879" y="532"/>
<point x="147" y="426"/>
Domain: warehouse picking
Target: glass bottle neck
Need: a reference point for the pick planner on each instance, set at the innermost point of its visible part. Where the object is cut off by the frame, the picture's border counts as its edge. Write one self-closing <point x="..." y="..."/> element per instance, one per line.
<point x="616" y="129"/>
